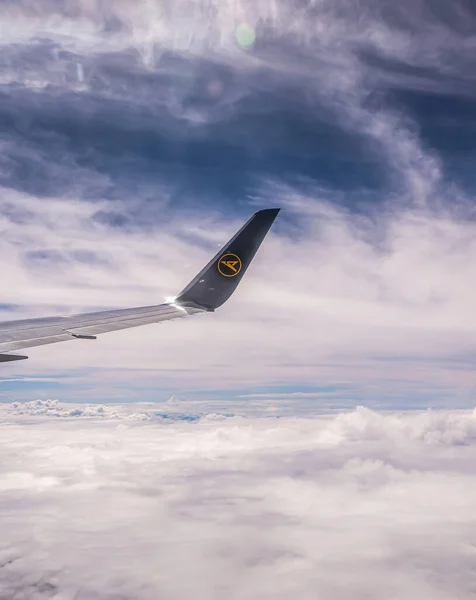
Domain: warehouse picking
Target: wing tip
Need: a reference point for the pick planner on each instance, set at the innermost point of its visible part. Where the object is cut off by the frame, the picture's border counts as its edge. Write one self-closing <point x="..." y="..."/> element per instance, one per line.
<point x="212" y="286"/>
<point x="268" y="211"/>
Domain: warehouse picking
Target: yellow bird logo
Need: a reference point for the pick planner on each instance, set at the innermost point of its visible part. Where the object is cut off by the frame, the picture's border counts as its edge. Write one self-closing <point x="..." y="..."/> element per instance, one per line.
<point x="229" y="265"/>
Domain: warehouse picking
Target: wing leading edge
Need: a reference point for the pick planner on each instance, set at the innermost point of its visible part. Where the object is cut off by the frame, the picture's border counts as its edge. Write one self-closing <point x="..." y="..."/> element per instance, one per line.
<point x="215" y="283"/>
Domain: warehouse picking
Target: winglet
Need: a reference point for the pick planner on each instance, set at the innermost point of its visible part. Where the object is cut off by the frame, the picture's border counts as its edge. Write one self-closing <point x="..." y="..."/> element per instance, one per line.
<point x="218" y="280"/>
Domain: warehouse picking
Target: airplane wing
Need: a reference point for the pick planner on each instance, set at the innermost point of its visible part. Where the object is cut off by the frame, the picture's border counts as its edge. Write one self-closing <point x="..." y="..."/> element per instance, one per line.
<point x="215" y="283"/>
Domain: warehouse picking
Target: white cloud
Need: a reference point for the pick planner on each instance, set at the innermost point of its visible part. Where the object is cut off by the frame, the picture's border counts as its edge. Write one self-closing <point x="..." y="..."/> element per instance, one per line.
<point x="331" y="34"/>
<point x="335" y="308"/>
<point x="53" y="408"/>
<point x="354" y="301"/>
<point x="353" y="505"/>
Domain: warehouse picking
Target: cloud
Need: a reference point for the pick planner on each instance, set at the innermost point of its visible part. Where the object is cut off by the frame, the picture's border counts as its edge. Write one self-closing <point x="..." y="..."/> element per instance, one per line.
<point x="341" y="506"/>
<point x="53" y="408"/>
<point x="334" y="309"/>
<point x="136" y="139"/>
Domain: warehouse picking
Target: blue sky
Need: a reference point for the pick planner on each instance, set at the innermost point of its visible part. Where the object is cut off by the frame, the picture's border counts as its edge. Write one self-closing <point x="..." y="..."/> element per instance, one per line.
<point x="137" y="137"/>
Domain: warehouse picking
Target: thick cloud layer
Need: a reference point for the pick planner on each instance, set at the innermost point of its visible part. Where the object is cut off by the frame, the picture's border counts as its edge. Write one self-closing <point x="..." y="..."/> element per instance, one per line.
<point x="355" y="505"/>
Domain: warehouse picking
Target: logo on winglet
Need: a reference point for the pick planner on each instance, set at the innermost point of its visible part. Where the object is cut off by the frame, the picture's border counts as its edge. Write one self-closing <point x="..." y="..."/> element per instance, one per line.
<point x="229" y="265"/>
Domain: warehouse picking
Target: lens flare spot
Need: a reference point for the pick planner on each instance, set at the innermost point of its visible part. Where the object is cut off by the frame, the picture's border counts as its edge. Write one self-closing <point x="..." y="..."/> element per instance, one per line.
<point x="215" y="88"/>
<point x="245" y="35"/>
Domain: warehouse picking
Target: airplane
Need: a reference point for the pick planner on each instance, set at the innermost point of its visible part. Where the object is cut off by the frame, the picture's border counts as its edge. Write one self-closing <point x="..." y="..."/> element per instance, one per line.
<point x="208" y="290"/>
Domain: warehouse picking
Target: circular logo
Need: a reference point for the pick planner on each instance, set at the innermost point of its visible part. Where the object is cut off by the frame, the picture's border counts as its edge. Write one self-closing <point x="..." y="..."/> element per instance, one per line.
<point x="229" y="265"/>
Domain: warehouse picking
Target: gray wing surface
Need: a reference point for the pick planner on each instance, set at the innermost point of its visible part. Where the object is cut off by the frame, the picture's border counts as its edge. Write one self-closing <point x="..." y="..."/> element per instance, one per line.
<point x="15" y="335"/>
<point x="207" y="291"/>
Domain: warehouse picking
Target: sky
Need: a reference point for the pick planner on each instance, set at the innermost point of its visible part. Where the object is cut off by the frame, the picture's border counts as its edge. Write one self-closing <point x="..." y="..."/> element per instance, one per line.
<point x="136" y="137"/>
<point x="316" y="436"/>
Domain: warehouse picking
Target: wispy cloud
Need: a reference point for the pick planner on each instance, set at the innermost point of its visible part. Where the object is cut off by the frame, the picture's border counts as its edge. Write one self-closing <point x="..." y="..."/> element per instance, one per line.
<point x="136" y="138"/>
